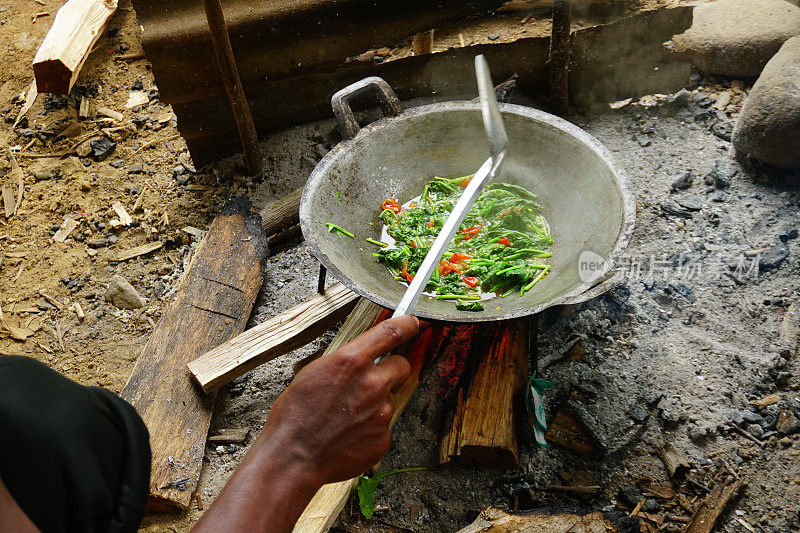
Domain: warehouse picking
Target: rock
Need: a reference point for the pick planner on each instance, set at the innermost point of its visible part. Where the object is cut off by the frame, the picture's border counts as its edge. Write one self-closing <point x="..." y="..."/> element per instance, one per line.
<point x="140" y="120"/>
<point x="121" y="294"/>
<point x="768" y="128"/>
<point x="682" y="183"/>
<point x="117" y="163"/>
<point x="135" y="168"/>
<point x="737" y="37"/>
<point x="691" y="203"/>
<point x="102" y="148"/>
<point x="785" y="442"/>
<point x="671" y="209"/>
<point x="650" y="506"/>
<point x="723" y="130"/>
<point x="630" y="495"/>
<point x="773" y="257"/>
<point x="720" y="176"/>
<point x="790" y="235"/>
<point x="701" y="433"/>
<point x="494" y="36"/>
<point x="755" y="430"/>
<point x="787" y="422"/>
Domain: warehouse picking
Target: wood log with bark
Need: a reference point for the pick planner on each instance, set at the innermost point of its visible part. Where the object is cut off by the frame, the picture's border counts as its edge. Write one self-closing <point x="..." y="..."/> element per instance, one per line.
<point x="212" y="304"/>
<point x="484" y="425"/>
<point x="77" y="26"/>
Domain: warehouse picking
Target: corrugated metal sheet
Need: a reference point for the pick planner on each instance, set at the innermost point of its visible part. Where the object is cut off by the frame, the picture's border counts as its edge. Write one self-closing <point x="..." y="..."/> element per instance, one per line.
<point x="294" y="60"/>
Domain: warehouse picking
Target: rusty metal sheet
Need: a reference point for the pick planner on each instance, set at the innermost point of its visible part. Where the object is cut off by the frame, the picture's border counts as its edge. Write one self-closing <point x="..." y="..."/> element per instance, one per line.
<point x="611" y="61"/>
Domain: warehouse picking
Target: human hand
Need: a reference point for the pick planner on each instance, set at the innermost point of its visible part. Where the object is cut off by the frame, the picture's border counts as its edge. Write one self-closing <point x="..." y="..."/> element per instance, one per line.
<point x="334" y="417"/>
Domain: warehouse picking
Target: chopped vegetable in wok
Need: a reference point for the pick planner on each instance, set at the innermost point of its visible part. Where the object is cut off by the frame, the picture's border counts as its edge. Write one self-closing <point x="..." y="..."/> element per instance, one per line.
<point x="500" y="247"/>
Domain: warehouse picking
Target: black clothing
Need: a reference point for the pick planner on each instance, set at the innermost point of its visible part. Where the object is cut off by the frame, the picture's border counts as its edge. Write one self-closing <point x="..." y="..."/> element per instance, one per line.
<point x="74" y="458"/>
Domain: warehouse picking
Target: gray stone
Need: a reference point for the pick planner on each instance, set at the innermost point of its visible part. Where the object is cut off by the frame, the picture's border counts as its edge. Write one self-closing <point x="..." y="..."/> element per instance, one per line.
<point x="121" y="294"/>
<point x="773" y="257"/>
<point x="738" y="37"/>
<point x="769" y="123"/>
<point x="701" y="433"/>
<point x="682" y="183"/>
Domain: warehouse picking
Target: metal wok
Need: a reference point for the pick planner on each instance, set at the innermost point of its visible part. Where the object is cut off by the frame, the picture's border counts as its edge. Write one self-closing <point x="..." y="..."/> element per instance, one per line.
<point x="585" y="197"/>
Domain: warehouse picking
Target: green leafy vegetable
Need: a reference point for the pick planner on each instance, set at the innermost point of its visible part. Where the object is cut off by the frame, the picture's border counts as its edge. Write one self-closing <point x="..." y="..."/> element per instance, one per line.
<point x="366" y="489"/>
<point x="334" y="227"/>
<point x="377" y="243"/>
<point x="500" y="248"/>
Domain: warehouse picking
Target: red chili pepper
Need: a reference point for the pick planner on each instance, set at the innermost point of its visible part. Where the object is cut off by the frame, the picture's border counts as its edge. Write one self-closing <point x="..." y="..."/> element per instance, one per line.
<point x="458" y="257"/>
<point x="470" y="232"/>
<point x="412" y="245"/>
<point x="472" y="281"/>
<point x="392" y="205"/>
<point x="504" y="241"/>
<point x="446" y="267"/>
<point x="429" y="223"/>
<point x="408" y="277"/>
<point x="466" y="182"/>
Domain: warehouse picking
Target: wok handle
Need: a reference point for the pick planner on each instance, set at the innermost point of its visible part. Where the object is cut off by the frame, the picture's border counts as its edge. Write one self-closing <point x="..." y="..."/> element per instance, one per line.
<point x="340" y="102"/>
<point x="595" y="291"/>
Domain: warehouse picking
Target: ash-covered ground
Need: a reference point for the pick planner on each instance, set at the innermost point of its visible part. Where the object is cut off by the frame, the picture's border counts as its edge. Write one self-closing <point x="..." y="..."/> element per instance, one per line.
<point x="676" y="353"/>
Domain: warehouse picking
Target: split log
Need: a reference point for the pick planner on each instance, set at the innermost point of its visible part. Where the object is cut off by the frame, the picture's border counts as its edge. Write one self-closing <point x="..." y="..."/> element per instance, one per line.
<point x="495" y="520"/>
<point x="484" y="430"/>
<point x="422" y="43"/>
<point x="322" y="511"/>
<point x="272" y="338"/>
<point x="213" y="304"/>
<point x="705" y="516"/>
<point x="76" y="28"/>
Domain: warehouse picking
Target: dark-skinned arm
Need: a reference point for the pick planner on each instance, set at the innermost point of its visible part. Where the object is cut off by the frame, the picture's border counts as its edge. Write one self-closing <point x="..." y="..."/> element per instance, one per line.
<point x="330" y="424"/>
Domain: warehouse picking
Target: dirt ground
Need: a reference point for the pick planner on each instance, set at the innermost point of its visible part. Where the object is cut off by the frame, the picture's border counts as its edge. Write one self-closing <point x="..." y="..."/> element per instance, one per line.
<point x="710" y="343"/>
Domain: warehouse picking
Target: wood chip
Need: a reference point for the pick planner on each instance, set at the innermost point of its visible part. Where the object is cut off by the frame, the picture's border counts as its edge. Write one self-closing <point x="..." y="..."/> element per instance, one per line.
<point x="18" y="333"/>
<point x="106" y="112"/>
<point x="137" y="205"/>
<point x="231" y="435"/>
<point x="55" y="303"/>
<point x="17" y="173"/>
<point x="136" y="99"/>
<point x="79" y="311"/>
<point x="194" y="232"/>
<point x="9" y="204"/>
<point x="766" y="401"/>
<point x="124" y="218"/>
<point x="83" y="109"/>
<point x="16" y="255"/>
<point x="30" y="98"/>
<point x="66" y="228"/>
<point x="705" y="516"/>
<point x="138" y="250"/>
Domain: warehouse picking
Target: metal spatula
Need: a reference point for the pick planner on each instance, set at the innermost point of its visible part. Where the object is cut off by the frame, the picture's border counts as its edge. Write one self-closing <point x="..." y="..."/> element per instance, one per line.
<point x="498" y="144"/>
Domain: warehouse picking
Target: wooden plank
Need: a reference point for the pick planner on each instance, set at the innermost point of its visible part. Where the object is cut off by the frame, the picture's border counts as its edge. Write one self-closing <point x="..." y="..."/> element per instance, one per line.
<point x="136" y="251"/>
<point x="272" y="338"/>
<point x="76" y="28"/>
<point x="320" y="514"/>
<point x="483" y="430"/>
<point x="213" y="304"/>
